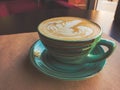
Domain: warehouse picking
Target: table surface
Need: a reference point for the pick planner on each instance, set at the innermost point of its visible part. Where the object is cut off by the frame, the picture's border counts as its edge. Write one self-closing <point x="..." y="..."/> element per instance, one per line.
<point x="17" y="72"/>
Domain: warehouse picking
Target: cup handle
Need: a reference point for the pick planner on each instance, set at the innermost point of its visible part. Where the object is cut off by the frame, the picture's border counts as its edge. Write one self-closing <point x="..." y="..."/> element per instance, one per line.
<point x="109" y="44"/>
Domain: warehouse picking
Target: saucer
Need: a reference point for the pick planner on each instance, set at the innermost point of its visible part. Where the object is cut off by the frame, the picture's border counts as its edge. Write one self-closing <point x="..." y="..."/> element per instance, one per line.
<point x="51" y="67"/>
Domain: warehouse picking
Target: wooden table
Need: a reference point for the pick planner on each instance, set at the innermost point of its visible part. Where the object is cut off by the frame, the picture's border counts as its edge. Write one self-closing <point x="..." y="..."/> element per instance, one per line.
<point x="17" y="72"/>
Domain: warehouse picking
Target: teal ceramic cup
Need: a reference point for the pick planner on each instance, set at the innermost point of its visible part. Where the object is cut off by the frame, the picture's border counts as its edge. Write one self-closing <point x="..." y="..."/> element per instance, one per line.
<point x="71" y="40"/>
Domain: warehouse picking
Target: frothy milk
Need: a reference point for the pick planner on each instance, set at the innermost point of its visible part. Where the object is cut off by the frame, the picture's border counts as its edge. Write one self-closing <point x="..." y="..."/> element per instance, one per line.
<point x="69" y="28"/>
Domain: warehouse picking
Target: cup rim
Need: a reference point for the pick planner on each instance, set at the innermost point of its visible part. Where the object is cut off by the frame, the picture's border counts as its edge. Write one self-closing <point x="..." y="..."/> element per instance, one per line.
<point x="98" y="35"/>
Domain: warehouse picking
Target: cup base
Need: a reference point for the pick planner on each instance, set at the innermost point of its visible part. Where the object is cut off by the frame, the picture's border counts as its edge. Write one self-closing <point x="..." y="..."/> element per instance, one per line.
<point x="67" y="59"/>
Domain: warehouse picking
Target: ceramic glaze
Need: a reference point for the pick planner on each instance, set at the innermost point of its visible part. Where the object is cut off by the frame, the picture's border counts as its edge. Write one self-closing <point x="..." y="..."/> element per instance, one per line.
<point x="71" y="40"/>
<point x="55" y="69"/>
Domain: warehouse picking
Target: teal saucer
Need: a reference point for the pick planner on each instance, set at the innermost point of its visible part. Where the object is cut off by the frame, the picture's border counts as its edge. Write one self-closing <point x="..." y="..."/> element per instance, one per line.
<point x="51" y="67"/>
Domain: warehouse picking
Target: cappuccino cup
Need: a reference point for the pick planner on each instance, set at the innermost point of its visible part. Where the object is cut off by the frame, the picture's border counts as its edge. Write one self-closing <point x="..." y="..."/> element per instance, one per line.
<point x="71" y="40"/>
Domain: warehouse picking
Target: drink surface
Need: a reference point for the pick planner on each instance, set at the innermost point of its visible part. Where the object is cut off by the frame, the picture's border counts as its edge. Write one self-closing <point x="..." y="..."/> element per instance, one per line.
<point x="69" y="29"/>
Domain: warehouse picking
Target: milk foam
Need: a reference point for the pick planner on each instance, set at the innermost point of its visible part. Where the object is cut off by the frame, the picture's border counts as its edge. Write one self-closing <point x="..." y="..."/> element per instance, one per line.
<point x="68" y="28"/>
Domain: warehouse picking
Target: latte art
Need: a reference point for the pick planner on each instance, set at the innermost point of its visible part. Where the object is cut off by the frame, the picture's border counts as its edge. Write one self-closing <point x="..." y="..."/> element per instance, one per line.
<point x="86" y="31"/>
<point x="68" y="28"/>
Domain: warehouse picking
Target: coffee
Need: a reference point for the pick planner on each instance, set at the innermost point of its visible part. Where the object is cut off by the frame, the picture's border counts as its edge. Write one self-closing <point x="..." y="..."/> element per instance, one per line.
<point x="69" y="29"/>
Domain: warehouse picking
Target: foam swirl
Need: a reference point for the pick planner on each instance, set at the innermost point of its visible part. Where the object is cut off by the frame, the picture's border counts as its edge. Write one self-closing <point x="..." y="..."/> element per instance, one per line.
<point x="70" y="28"/>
